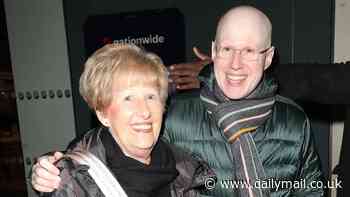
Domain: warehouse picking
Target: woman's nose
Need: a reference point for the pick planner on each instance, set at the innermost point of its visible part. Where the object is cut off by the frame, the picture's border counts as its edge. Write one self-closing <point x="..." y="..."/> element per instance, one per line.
<point x="143" y="110"/>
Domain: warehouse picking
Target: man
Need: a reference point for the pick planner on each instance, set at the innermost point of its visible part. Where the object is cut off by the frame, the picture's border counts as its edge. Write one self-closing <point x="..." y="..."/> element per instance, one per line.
<point x="236" y="116"/>
<point x="236" y="122"/>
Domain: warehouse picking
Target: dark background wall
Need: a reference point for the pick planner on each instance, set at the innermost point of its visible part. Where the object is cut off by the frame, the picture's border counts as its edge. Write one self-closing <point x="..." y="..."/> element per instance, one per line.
<point x="5" y="63"/>
<point x="302" y="32"/>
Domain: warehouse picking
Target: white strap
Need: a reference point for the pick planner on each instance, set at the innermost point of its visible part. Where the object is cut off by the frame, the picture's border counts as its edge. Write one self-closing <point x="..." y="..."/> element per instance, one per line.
<point x="100" y="173"/>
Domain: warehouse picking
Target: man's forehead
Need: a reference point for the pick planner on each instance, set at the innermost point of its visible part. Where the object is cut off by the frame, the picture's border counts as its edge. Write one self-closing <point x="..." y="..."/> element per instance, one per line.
<point x="243" y="32"/>
<point x="238" y="34"/>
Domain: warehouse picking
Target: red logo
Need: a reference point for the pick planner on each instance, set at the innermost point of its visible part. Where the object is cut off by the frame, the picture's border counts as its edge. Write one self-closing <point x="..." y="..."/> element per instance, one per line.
<point x="107" y="40"/>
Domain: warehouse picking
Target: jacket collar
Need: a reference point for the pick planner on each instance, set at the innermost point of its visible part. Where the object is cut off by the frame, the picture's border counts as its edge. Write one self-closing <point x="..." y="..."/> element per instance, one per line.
<point x="207" y="77"/>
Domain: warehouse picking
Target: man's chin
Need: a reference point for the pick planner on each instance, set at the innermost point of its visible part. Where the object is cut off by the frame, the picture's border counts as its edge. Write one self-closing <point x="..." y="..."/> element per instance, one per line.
<point x="234" y="94"/>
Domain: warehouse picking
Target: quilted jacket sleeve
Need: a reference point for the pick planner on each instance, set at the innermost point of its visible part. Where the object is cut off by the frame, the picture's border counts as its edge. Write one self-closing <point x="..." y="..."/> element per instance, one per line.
<point x="310" y="170"/>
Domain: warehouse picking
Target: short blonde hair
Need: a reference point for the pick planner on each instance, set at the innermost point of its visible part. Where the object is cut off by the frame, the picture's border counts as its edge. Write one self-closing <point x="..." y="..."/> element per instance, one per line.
<point x="127" y="62"/>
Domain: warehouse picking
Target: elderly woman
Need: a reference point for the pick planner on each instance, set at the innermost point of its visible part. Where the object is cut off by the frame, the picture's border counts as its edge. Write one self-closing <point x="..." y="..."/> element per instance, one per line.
<point x="127" y="88"/>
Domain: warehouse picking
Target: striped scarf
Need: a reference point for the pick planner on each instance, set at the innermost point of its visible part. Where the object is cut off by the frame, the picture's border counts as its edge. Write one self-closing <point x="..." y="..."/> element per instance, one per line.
<point x="237" y="119"/>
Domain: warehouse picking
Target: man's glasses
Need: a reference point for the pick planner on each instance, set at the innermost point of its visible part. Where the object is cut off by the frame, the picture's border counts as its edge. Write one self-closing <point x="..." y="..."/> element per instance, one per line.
<point x="246" y="54"/>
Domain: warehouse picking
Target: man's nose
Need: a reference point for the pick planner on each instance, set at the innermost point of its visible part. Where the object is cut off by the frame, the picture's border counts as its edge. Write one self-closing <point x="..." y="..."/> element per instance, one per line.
<point x="236" y="60"/>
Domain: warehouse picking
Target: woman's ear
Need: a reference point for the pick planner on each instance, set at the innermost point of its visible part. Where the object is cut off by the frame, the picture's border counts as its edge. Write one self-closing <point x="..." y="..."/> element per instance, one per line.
<point x="102" y="118"/>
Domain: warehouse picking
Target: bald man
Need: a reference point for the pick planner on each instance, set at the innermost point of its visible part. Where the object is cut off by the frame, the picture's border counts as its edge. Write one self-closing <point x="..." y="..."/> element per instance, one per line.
<point x="257" y="142"/>
<point x="238" y="124"/>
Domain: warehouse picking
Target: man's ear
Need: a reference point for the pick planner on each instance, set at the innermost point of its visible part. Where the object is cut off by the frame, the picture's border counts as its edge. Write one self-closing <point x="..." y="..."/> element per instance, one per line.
<point x="213" y="50"/>
<point x="102" y="118"/>
<point x="269" y="56"/>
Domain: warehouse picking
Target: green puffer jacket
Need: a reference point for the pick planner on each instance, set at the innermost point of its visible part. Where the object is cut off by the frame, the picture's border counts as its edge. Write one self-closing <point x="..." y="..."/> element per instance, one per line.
<point x="285" y="145"/>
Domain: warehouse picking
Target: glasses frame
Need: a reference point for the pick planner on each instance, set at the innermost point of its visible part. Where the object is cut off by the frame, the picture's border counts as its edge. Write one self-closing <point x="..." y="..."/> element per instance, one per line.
<point x="217" y="48"/>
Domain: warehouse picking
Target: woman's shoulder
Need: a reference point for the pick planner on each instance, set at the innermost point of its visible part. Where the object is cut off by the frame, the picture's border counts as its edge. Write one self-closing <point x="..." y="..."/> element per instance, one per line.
<point x="86" y="140"/>
<point x="90" y="141"/>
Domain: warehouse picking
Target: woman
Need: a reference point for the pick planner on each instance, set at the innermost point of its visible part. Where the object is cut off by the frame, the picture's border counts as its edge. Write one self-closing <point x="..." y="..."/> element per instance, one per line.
<point x="127" y="87"/>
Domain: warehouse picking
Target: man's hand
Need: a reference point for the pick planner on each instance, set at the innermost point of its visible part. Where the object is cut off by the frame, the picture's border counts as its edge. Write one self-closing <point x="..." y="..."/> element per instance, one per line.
<point x="184" y="75"/>
<point x="45" y="175"/>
